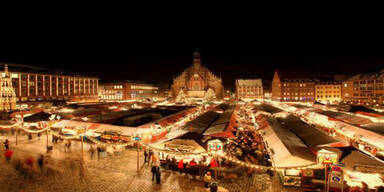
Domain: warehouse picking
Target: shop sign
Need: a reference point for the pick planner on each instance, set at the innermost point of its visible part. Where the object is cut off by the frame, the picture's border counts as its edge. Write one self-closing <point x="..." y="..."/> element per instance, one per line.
<point x="215" y="146"/>
<point x="327" y="157"/>
<point x="308" y="173"/>
<point x="336" y="179"/>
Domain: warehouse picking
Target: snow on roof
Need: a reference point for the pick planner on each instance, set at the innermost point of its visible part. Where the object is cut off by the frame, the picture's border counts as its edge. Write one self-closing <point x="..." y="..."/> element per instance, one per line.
<point x="249" y="82"/>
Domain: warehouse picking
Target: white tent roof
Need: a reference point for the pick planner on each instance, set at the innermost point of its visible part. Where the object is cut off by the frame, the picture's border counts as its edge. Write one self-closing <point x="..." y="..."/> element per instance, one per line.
<point x="284" y="155"/>
<point x="97" y="127"/>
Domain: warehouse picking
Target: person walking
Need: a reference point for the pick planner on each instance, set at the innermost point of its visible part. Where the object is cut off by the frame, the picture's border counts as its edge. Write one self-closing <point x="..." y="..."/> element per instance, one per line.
<point x="8" y="155"/>
<point x="146" y="156"/>
<point x="213" y="187"/>
<point x="40" y="162"/>
<point x="92" y="151"/>
<point x="180" y="165"/>
<point x="207" y="179"/>
<point x="150" y="155"/>
<point x="153" y="170"/>
<point x="6" y="144"/>
<point x="158" y="175"/>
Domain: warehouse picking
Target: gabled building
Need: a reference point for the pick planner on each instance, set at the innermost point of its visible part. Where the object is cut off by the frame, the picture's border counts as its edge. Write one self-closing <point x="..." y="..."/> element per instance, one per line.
<point x="127" y="90"/>
<point x="249" y="89"/>
<point x="364" y="89"/>
<point x="293" y="86"/>
<point x="328" y="92"/>
<point x="32" y="83"/>
<point x="7" y="92"/>
<point x="196" y="80"/>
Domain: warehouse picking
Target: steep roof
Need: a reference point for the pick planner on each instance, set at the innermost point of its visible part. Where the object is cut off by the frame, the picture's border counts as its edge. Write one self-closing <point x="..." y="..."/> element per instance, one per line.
<point x="249" y="82"/>
<point x="286" y="74"/>
<point x="13" y="67"/>
<point x="366" y="76"/>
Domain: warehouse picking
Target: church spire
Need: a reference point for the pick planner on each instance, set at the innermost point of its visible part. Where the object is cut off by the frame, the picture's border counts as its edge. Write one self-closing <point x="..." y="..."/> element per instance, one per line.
<point x="6" y="70"/>
<point x="196" y="59"/>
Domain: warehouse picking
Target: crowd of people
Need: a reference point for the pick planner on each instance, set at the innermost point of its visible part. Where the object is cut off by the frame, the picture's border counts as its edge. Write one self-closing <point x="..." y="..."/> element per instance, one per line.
<point x="190" y="168"/>
<point x="247" y="146"/>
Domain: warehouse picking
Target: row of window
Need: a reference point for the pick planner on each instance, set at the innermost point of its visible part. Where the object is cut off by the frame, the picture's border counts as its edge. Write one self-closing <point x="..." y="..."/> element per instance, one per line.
<point x="301" y="93"/>
<point x="298" y="98"/>
<point x="143" y="87"/>
<point x="368" y="94"/>
<point x="368" y="81"/>
<point x="327" y="87"/>
<point x="328" y="96"/>
<point x="294" y="85"/>
<point x="111" y="97"/>
<point x="328" y="92"/>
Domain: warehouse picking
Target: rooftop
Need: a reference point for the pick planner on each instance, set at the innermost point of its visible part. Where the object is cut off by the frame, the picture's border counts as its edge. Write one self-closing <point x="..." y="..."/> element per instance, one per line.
<point x="249" y="82"/>
<point x="13" y="67"/>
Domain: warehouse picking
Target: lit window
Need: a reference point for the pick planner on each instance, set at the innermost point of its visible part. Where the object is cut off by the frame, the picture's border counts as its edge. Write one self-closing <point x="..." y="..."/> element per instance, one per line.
<point x="345" y="85"/>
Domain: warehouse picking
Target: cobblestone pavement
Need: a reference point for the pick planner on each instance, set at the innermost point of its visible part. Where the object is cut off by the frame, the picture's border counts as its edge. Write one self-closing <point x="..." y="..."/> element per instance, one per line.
<point x="117" y="172"/>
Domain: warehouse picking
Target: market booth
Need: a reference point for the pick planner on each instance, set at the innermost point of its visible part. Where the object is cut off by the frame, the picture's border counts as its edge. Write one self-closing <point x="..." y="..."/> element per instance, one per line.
<point x="286" y="150"/>
<point x="360" y="168"/>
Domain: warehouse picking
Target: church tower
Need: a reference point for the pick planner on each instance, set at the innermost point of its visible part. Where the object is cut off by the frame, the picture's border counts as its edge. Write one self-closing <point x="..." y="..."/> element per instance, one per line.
<point x="196" y="80"/>
<point x="7" y="93"/>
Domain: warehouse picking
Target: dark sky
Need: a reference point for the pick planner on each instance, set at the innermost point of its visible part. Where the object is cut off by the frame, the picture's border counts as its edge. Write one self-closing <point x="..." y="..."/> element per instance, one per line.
<point x="155" y="49"/>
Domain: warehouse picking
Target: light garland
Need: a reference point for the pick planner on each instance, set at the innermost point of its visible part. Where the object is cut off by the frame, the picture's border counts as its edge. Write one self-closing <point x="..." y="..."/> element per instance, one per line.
<point x="34" y="131"/>
<point x="108" y="144"/>
<point x="65" y="137"/>
<point x="262" y="167"/>
<point x="9" y="126"/>
<point x="175" y="152"/>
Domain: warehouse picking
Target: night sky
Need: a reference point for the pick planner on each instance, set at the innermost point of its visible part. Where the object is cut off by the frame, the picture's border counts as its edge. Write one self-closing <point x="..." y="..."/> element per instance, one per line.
<point x="154" y="50"/>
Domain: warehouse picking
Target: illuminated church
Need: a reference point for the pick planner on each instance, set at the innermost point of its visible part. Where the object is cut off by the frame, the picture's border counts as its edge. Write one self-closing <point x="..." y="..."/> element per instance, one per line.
<point x="7" y="93"/>
<point x="196" y="80"/>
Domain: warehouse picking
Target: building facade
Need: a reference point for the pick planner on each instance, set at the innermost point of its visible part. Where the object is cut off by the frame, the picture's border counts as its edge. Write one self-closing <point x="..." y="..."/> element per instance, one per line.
<point x="292" y="86"/>
<point x="196" y="80"/>
<point x="364" y="89"/>
<point x="328" y="92"/>
<point x="7" y="92"/>
<point x="40" y="84"/>
<point x="249" y="89"/>
<point x="127" y="90"/>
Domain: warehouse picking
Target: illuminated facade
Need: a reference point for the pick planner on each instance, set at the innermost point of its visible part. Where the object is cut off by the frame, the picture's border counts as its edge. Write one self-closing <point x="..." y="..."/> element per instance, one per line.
<point x="40" y="84"/>
<point x="366" y="89"/>
<point x="292" y="86"/>
<point x="196" y="80"/>
<point x="7" y="93"/>
<point x="127" y="90"/>
<point x="249" y="89"/>
<point x="328" y="92"/>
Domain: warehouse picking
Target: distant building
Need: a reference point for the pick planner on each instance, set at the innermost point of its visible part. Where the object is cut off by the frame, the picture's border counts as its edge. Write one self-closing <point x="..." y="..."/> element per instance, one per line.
<point x="127" y="90"/>
<point x="364" y="89"/>
<point x="328" y="92"/>
<point x="249" y="89"/>
<point x="40" y="84"/>
<point x="163" y="90"/>
<point x="7" y="92"/>
<point x="292" y="86"/>
<point x="196" y="80"/>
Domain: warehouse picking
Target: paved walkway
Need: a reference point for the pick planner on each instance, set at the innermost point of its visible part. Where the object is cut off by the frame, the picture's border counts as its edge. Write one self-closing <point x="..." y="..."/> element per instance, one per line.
<point x="64" y="172"/>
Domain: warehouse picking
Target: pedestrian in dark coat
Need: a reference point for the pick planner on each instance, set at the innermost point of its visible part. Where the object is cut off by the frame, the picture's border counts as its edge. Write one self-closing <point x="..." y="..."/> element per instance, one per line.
<point x="153" y="170"/>
<point x="158" y="175"/>
<point x="40" y="161"/>
<point x="6" y="144"/>
<point x="150" y="155"/>
<point x="145" y="155"/>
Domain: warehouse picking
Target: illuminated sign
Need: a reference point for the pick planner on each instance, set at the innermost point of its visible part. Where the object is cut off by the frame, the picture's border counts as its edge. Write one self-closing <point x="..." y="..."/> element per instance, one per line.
<point x="327" y="157"/>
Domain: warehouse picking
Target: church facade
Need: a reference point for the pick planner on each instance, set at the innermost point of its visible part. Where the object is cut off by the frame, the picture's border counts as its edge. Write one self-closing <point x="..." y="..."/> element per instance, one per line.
<point x="7" y="93"/>
<point x="196" y="80"/>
